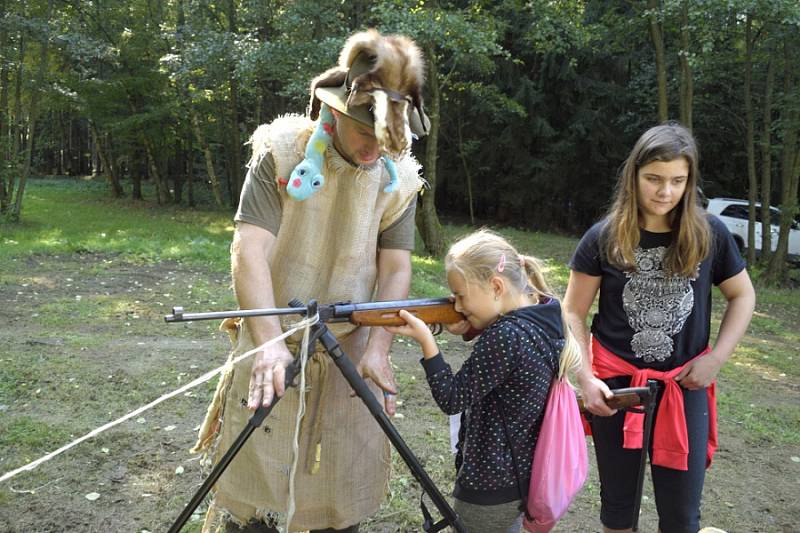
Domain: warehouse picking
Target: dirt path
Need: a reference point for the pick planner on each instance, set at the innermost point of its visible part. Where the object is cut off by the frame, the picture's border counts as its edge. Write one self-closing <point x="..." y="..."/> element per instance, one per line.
<point x="83" y="343"/>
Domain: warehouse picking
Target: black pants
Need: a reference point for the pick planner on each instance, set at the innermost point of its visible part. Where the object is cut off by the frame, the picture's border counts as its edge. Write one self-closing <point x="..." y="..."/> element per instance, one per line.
<point x="677" y="492"/>
<point x="261" y="527"/>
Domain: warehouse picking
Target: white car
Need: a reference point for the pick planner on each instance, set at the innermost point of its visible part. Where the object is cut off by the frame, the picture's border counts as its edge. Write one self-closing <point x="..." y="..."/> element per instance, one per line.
<point x="734" y="214"/>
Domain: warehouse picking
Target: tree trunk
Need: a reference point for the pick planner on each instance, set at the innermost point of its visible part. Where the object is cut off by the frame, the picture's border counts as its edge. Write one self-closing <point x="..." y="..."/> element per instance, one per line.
<point x="776" y="270"/>
<point x="18" y="118"/>
<point x="657" y="35"/>
<point x="687" y="83"/>
<point x="189" y="173"/>
<point x="766" y="165"/>
<point x="212" y="176"/>
<point x="179" y="167"/>
<point x="430" y="228"/>
<point x="164" y="196"/>
<point x="464" y="163"/>
<point x="16" y="130"/>
<point x="136" y="176"/>
<point x="108" y="162"/>
<point x="33" y="112"/>
<point x="98" y="164"/>
<point x="5" y="142"/>
<point x="237" y="181"/>
<point x="752" y="183"/>
<point x="187" y="112"/>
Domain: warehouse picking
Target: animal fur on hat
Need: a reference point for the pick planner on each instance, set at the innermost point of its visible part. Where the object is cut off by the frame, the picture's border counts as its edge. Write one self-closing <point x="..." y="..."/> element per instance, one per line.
<point x="390" y="83"/>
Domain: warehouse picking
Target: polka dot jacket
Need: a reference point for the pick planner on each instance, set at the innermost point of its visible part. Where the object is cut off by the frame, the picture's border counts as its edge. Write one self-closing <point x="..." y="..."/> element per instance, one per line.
<point x="512" y="365"/>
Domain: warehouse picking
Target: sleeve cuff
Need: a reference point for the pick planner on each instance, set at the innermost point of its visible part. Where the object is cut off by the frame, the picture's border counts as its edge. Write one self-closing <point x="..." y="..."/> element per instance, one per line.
<point x="433" y="365"/>
<point x="271" y="226"/>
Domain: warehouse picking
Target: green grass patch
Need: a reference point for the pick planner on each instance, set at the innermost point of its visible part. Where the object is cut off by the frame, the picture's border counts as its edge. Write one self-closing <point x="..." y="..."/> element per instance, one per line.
<point x="753" y="395"/>
<point x="27" y="373"/>
<point x="26" y="436"/>
<point x="66" y="216"/>
<point x="428" y="280"/>
<point x="761" y="423"/>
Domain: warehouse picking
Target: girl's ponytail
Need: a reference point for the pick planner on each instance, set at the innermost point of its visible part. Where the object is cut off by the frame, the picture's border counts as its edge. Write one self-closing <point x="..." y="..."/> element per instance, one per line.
<point x="532" y="269"/>
<point x="570" y="355"/>
<point x="570" y="358"/>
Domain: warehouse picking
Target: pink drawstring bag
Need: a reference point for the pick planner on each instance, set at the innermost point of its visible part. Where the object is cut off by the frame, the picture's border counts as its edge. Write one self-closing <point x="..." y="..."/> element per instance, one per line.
<point x="560" y="463"/>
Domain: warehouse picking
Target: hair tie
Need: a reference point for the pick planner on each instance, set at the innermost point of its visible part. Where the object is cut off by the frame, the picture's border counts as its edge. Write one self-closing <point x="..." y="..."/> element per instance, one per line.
<point x="522" y="262"/>
<point x="502" y="264"/>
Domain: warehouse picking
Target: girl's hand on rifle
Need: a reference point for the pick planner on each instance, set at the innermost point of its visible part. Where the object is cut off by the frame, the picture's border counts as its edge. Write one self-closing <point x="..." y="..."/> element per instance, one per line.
<point x="595" y="392"/>
<point x="268" y="375"/>
<point x="417" y="330"/>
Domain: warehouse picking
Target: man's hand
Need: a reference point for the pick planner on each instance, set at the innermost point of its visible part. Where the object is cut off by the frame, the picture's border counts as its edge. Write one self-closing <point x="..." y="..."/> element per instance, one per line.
<point x="595" y="393"/>
<point x="700" y="372"/>
<point x="268" y="375"/>
<point x="376" y="366"/>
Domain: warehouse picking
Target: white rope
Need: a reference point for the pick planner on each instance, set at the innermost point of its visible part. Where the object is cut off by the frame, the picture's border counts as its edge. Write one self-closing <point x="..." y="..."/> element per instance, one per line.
<point x="305" y="323"/>
<point x="301" y="411"/>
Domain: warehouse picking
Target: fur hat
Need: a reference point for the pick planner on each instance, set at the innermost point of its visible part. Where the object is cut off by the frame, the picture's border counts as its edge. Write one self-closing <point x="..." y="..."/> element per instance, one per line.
<point x="378" y="82"/>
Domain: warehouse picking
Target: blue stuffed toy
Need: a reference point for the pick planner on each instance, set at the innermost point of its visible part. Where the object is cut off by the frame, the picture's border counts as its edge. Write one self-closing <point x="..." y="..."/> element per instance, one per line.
<point x="307" y="178"/>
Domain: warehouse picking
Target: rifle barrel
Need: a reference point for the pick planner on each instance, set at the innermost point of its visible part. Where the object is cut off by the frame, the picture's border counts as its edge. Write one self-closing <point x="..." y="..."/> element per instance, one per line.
<point x="338" y="312"/>
<point x="178" y="315"/>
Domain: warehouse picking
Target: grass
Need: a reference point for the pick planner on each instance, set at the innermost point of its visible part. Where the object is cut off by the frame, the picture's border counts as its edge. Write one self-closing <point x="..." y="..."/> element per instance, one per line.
<point x="80" y="323"/>
<point x="67" y="216"/>
<point x="24" y="434"/>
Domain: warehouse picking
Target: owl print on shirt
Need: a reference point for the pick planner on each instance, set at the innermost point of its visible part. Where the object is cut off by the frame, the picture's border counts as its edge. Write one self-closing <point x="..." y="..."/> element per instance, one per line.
<point x="656" y="304"/>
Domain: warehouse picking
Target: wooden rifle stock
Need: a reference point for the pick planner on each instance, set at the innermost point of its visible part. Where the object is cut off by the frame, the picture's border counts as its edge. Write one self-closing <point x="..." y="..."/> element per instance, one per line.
<point x="436" y="312"/>
<point x="623" y="398"/>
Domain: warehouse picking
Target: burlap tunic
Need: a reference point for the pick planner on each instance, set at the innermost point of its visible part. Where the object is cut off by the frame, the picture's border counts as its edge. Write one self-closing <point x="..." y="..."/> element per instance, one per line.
<point x="326" y="249"/>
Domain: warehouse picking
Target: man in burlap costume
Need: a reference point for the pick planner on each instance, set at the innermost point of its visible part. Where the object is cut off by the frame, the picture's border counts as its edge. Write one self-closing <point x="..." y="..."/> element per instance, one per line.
<point x="350" y="240"/>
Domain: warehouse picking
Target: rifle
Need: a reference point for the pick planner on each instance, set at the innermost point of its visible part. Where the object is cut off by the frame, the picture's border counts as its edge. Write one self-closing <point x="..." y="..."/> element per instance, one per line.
<point x="429" y="310"/>
<point x="623" y="398"/>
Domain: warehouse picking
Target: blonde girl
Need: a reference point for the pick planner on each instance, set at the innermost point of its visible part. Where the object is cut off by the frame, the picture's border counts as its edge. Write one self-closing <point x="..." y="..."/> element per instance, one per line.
<point x="653" y="261"/>
<point x="502" y="387"/>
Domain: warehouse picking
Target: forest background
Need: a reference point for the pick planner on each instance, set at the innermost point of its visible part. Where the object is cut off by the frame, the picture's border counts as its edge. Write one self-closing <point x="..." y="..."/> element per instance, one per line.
<point x="146" y="105"/>
<point x="534" y="104"/>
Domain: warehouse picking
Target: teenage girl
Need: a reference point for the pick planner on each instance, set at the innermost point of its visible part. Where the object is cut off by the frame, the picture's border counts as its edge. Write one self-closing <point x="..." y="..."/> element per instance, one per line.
<point x="502" y="387"/>
<point x="653" y="260"/>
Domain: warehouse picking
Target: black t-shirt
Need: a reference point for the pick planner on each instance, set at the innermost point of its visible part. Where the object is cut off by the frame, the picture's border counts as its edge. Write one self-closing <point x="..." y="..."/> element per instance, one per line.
<point x="649" y="318"/>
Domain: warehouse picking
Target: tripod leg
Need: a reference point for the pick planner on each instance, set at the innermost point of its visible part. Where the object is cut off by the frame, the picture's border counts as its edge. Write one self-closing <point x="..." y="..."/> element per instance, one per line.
<point x="649" y="410"/>
<point x="254" y="422"/>
<point x="350" y="374"/>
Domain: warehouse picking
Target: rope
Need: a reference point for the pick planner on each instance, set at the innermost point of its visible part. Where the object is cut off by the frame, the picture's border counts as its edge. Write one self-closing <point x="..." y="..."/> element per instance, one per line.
<point x="305" y="323"/>
<point x="301" y="410"/>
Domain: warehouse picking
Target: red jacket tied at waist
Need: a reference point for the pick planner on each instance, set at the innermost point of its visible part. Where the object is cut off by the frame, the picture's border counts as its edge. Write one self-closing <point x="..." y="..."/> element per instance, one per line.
<point x="670" y="439"/>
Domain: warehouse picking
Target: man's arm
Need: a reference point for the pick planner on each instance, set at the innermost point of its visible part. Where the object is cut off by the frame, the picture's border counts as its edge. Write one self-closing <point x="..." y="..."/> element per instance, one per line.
<point x="252" y="282"/>
<point x="394" y="281"/>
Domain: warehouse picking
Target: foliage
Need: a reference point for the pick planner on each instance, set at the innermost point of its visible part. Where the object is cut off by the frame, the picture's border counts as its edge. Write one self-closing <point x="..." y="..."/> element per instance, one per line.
<point x="540" y="100"/>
